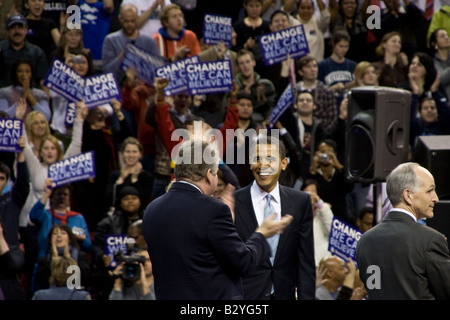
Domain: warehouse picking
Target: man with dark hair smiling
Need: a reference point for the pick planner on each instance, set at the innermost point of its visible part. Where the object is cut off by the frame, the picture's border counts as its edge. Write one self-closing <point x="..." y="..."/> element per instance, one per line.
<point x="290" y="272"/>
<point x="193" y="244"/>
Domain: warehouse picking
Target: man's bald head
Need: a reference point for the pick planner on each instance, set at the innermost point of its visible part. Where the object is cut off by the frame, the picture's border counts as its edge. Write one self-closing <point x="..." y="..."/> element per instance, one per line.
<point x="128" y="7"/>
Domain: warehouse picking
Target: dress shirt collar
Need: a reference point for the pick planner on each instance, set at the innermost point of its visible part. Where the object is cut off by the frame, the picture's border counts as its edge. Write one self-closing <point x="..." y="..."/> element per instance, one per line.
<point x="260" y="194"/>
<point x="405" y="211"/>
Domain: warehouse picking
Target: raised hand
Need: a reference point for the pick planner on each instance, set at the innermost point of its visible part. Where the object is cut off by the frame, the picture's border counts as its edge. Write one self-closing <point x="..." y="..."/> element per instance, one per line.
<point x="270" y="227"/>
<point x="21" y="108"/>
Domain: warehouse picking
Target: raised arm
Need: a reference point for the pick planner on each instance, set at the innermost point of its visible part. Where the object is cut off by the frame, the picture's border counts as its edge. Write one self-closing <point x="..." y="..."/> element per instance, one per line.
<point x="77" y="133"/>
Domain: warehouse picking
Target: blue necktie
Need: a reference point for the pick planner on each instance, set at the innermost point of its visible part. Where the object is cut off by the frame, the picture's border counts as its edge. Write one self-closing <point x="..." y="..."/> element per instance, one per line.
<point x="273" y="241"/>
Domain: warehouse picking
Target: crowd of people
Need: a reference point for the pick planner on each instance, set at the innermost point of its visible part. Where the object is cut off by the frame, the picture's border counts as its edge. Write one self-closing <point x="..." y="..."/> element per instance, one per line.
<point x="45" y="229"/>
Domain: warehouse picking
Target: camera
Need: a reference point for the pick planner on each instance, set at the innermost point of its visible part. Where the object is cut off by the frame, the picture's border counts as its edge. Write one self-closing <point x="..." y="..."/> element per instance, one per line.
<point x="78" y="231"/>
<point x="131" y="270"/>
<point x="324" y="157"/>
<point x="77" y="59"/>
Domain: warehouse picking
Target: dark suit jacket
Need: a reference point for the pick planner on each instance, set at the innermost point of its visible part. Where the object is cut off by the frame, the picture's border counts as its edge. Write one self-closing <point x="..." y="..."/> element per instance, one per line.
<point x="413" y="260"/>
<point x="195" y="250"/>
<point x="294" y="266"/>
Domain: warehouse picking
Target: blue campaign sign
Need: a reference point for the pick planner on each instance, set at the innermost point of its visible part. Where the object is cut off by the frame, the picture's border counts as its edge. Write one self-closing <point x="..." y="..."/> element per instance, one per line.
<point x="65" y="81"/>
<point x="283" y="104"/>
<point x="217" y="28"/>
<point x="144" y="62"/>
<point x="100" y="89"/>
<point x="343" y="239"/>
<point x="113" y="244"/>
<point x="71" y="114"/>
<point x="10" y="133"/>
<point x="276" y="45"/>
<point x="76" y="168"/>
<point x="176" y="73"/>
<point x="209" y="77"/>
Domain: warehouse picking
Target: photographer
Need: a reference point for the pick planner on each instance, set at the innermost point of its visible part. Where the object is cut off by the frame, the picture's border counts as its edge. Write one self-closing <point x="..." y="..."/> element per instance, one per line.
<point x="134" y="278"/>
<point x="126" y="213"/>
<point x="330" y="175"/>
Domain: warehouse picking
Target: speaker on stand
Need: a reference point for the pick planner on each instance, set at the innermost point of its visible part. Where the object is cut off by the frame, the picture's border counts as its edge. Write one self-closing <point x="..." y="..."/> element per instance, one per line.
<point x="377" y="136"/>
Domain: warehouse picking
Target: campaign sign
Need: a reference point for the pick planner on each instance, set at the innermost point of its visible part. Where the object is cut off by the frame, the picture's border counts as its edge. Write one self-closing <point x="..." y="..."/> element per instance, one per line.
<point x="343" y="239"/>
<point x="209" y="77"/>
<point x="276" y="45"/>
<point x="217" y="28"/>
<point x="10" y="133"/>
<point x="176" y="73"/>
<point x="283" y="104"/>
<point x="76" y="168"/>
<point x="100" y="89"/>
<point x="71" y="114"/>
<point x="144" y="62"/>
<point x="65" y="81"/>
<point x="115" y="243"/>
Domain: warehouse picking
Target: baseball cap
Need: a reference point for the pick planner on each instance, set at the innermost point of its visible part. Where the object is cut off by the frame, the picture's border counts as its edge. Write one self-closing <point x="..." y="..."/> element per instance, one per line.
<point x="15" y="19"/>
<point x="128" y="190"/>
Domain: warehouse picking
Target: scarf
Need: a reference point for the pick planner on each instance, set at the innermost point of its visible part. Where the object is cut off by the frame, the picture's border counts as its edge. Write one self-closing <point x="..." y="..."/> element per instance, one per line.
<point x="63" y="218"/>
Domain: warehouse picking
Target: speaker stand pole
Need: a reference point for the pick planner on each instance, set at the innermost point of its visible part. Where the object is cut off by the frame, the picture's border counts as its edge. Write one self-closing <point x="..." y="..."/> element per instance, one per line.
<point x="377" y="202"/>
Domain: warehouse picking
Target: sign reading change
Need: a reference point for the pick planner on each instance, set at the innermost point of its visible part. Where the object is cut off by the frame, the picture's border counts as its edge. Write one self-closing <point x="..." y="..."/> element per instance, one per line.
<point x="343" y="239"/>
<point x="10" y="133"/>
<point x="65" y="81"/>
<point x="176" y="73"/>
<point x="209" y="77"/>
<point x="276" y="45"/>
<point x="217" y="28"/>
<point x="101" y="89"/>
<point x="94" y="90"/>
<point x="76" y="168"/>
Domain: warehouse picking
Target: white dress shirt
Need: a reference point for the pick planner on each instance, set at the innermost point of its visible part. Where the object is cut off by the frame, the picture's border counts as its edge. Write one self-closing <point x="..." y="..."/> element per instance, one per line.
<point x="258" y="200"/>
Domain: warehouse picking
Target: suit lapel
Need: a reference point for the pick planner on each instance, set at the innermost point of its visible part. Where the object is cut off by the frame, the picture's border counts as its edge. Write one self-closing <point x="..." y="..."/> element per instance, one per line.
<point x="248" y="212"/>
<point x="287" y="207"/>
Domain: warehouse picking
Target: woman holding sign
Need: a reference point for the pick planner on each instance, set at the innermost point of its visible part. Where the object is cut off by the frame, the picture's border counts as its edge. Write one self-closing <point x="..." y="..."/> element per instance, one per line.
<point x="64" y="111"/>
<point x="49" y="152"/>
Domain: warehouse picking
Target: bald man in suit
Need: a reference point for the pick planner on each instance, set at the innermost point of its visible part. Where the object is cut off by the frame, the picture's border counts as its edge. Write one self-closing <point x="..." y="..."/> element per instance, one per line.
<point x="400" y="259"/>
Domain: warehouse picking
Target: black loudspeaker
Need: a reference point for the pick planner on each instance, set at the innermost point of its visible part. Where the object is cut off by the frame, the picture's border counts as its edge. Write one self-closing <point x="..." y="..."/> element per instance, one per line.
<point x="433" y="153"/>
<point x="441" y="219"/>
<point x="377" y="136"/>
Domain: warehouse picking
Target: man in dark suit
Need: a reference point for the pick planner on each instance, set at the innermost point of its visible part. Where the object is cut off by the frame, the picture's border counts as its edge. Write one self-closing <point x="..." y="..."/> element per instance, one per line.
<point x="195" y="250"/>
<point x="400" y="259"/>
<point x="291" y="269"/>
